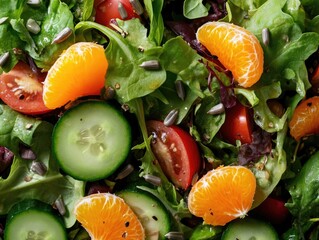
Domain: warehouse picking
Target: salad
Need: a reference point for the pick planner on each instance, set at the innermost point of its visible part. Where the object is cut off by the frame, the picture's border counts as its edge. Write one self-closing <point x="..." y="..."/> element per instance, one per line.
<point x="127" y="119"/>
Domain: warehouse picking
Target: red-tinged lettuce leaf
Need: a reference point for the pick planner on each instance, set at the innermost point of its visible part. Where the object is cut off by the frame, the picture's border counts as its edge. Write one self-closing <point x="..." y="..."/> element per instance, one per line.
<point x="21" y="182"/>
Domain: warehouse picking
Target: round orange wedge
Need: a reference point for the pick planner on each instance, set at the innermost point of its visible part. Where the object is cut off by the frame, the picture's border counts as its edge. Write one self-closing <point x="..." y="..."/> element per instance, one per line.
<point x="236" y="48"/>
<point x="223" y="194"/>
<point x="79" y="71"/>
<point x="107" y="216"/>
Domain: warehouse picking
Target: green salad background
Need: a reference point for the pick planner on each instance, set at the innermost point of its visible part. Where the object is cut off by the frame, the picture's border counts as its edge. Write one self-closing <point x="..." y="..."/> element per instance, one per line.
<point x="294" y="38"/>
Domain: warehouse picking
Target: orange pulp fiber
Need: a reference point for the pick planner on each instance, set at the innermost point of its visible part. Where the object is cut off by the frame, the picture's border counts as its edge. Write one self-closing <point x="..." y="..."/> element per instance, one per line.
<point x="236" y="48"/>
<point x="79" y="71"/>
<point x="106" y="216"/>
<point x="223" y="194"/>
<point x="304" y="121"/>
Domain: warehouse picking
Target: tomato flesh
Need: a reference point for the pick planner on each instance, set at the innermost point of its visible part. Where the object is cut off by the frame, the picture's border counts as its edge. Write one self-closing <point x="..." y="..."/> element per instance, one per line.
<point x="21" y="89"/>
<point x="238" y="125"/>
<point x="106" y="11"/>
<point x="273" y="210"/>
<point x="176" y="151"/>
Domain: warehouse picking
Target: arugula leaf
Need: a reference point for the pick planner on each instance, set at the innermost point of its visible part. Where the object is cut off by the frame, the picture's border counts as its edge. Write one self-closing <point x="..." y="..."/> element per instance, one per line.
<point x="194" y="9"/>
<point x="22" y="183"/>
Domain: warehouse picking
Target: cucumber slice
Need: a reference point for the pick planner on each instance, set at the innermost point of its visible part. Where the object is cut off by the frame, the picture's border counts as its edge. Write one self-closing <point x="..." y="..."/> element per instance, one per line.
<point x="249" y="228"/>
<point x="33" y="219"/>
<point x="151" y="212"/>
<point x="91" y="140"/>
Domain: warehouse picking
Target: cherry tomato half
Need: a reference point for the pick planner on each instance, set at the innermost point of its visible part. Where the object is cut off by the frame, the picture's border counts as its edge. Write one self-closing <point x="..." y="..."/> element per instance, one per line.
<point x="238" y="125"/>
<point x="176" y="152"/>
<point x="21" y="89"/>
<point x="106" y="10"/>
<point x="273" y="210"/>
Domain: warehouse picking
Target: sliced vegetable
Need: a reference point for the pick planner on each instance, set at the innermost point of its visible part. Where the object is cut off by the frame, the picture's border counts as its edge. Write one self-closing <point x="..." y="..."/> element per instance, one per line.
<point x="33" y="219"/>
<point x="304" y="121"/>
<point x="238" y="125"/>
<point x="91" y="140"/>
<point x="249" y="228"/>
<point x="176" y="152"/>
<point x="21" y="89"/>
<point x="273" y="210"/>
<point x="151" y="212"/>
<point x="109" y="10"/>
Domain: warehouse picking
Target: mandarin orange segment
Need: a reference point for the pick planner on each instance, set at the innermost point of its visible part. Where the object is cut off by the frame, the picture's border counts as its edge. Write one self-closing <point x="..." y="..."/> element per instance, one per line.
<point x="223" y="194"/>
<point x="304" y="121"/>
<point x="236" y="48"/>
<point x="106" y="216"/>
<point x="79" y="71"/>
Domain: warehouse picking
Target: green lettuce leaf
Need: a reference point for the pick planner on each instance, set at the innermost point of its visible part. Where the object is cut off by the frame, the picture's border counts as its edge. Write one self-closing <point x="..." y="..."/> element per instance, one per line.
<point x="22" y="183"/>
<point x="154" y="10"/>
<point x="124" y="73"/>
<point x="193" y="9"/>
<point x="52" y="17"/>
<point x="304" y="202"/>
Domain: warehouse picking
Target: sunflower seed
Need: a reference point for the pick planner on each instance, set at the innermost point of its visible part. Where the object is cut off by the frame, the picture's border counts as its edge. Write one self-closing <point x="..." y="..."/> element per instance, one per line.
<point x="34" y="2"/>
<point x="38" y="168"/>
<point x="125" y="172"/>
<point x="171" y="117"/>
<point x="4" y="58"/>
<point x="180" y="90"/>
<point x="156" y="181"/>
<point x="174" y="235"/>
<point x="217" y="109"/>
<point x="150" y="65"/>
<point x="265" y="35"/>
<point x="27" y="153"/>
<point x="60" y="206"/>
<point x="33" y="26"/>
<point x="138" y="8"/>
<point x="63" y="35"/>
<point x="3" y="19"/>
<point x="122" y="10"/>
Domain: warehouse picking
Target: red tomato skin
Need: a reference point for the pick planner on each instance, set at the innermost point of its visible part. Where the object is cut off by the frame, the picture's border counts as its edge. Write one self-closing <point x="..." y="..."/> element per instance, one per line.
<point x="238" y="125"/>
<point x="273" y="210"/>
<point x="32" y="105"/>
<point x="107" y="10"/>
<point x="177" y="153"/>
